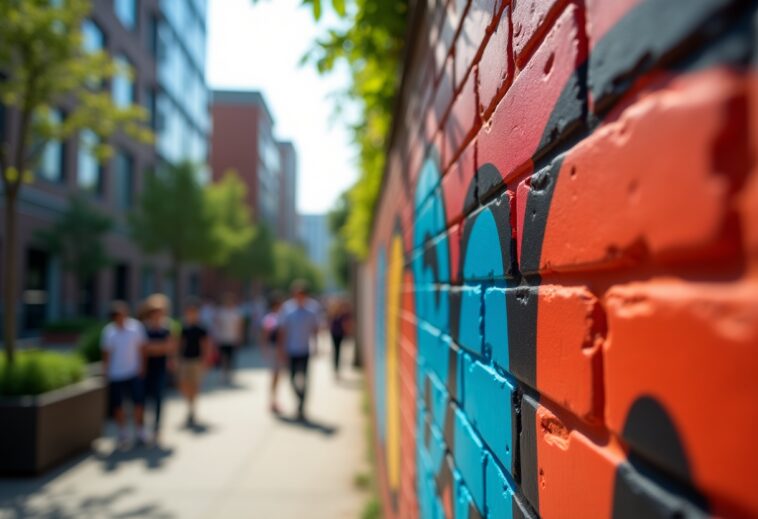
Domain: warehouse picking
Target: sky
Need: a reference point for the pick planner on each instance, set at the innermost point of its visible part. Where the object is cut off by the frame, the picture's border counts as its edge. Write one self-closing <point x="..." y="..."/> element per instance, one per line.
<point x="258" y="46"/>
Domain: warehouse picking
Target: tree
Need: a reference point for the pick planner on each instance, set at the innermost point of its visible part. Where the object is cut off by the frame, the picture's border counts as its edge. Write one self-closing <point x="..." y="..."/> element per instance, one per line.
<point x="77" y="238"/>
<point x="291" y="263"/>
<point x="232" y="229"/>
<point x="256" y="260"/>
<point x="43" y="65"/>
<point x="171" y="217"/>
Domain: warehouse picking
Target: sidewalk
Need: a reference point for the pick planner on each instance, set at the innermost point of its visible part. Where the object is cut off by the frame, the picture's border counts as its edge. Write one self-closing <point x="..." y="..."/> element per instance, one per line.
<point x="243" y="463"/>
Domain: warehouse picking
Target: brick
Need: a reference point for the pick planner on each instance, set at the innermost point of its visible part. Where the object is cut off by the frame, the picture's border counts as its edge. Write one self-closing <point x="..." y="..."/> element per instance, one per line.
<point x="495" y="69"/>
<point x="629" y="38"/>
<point x="459" y="186"/>
<point x="470" y="459"/>
<point x="617" y="183"/>
<point x="486" y="242"/>
<point x="496" y="327"/>
<point x="462" y="123"/>
<point x="499" y="494"/>
<point x="476" y="23"/>
<point x="679" y="356"/>
<point x="444" y="95"/>
<point x="542" y="105"/>
<point x="530" y="20"/>
<point x="489" y="408"/>
<point x="470" y="315"/>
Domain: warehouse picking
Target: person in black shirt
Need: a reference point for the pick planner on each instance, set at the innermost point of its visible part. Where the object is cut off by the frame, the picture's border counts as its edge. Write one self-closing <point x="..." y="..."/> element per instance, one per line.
<point x="161" y="343"/>
<point x="194" y="349"/>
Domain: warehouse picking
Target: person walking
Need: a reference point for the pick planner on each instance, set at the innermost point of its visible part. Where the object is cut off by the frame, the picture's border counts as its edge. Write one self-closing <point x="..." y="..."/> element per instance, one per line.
<point x="161" y="343"/>
<point x="270" y="340"/>
<point x="298" y="323"/>
<point x="194" y="350"/>
<point x="229" y="331"/>
<point x="339" y="327"/>
<point x="122" y="342"/>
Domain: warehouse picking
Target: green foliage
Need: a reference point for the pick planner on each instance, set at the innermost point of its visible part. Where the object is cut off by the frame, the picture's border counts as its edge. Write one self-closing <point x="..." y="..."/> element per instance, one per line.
<point x="171" y="217"/>
<point x="256" y="260"/>
<point x="35" y="372"/>
<point x="77" y="325"/>
<point x="88" y="346"/>
<point x="77" y="238"/>
<point x="231" y="224"/>
<point x="339" y="256"/>
<point x="44" y="65"/>
<point x="371" y="44"/>
<point x="292" y="263"/>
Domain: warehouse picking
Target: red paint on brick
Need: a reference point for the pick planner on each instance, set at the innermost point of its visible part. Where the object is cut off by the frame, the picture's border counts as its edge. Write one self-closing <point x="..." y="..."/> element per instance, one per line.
<point x="620" y="182"/>
<point x="530" y="20"/>
<point x="517" y="125"/>
<point x="495" y="69"/>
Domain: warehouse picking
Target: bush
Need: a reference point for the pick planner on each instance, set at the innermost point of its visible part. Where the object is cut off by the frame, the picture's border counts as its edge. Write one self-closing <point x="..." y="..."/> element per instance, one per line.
<point x="77" y="325"/>
<point x="88" y="346"/>
<point x="37" y="371"/>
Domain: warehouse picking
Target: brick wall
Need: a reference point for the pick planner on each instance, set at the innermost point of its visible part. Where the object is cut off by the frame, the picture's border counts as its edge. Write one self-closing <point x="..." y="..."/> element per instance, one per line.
<point x="561" y="301"/>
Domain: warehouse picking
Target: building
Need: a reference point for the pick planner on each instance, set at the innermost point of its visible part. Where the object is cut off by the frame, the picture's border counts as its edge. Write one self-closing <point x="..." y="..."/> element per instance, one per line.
<point x="164" y="42"/>
<point x="288" y="219"/>
<point x="243" y="140"/>
<point x="316" y="238"/>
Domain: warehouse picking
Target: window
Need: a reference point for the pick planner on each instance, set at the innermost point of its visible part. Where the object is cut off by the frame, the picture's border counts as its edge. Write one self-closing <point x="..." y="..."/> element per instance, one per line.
<point x="52" y="160"/>
<point x="126" y="12"/>
<point x="93" y="38"/>
<point x="124" y="173"/>
<point x="148" y="281"/>
<point x="89" y="175"/>
<point x="121" y="282"/>
<point x="123" y="84"/>
<point x="35" y="289"/>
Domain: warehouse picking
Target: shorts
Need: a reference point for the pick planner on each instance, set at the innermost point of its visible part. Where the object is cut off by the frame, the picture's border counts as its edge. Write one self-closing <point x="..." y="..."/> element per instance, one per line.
<point x="191" y="371"/>
<point x="132" y="389"/>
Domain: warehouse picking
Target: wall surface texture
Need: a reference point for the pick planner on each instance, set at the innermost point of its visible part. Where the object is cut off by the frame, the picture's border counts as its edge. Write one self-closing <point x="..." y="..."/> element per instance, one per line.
<point x="560" y="307"/>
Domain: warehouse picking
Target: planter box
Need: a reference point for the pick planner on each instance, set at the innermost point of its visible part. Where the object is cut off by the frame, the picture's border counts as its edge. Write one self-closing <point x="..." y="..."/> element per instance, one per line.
<point x="38" y="432"/>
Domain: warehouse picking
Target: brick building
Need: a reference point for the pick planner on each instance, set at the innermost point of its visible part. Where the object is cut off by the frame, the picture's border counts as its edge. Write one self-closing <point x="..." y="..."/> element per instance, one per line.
<point x="164" y="42"/>
<point x="243" y="140"/>
<point x="560" y="305"/>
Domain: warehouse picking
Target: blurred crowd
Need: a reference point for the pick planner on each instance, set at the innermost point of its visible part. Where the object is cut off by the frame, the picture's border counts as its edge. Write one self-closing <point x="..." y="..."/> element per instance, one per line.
<point x="144" y="354"/>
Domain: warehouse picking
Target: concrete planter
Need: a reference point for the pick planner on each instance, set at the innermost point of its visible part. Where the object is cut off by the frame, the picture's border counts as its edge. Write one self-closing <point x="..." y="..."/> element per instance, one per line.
<point x="58" y="338"/>
<point x="37" y="432"/>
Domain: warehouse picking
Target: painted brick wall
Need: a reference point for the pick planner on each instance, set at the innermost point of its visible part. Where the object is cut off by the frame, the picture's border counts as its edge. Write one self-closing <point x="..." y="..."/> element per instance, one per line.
<point x="560" y="307"/>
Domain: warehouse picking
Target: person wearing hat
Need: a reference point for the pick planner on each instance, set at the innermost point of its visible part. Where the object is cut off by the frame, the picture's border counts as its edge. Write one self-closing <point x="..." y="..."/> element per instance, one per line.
<point x="161" y="343"/>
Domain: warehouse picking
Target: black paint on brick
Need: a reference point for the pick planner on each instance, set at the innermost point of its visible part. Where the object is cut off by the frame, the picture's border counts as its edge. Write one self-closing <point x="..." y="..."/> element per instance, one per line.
<point x="521" y="305"/>
<point x="568" y="114"/>
<point x="646" y="37"/>
<point x="488" y="181"/>
<point x="454" y="298"/>
<point x="528" y="451"/>
<point x="542" y="186"/>
<point x="501" y="210"/>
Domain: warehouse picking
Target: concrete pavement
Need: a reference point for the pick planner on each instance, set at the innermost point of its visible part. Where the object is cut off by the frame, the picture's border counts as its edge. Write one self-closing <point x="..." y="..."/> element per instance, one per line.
<point x="242" y="462"/>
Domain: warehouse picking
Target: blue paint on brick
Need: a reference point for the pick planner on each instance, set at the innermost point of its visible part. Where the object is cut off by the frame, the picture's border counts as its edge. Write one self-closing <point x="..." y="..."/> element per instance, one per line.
<point x="469" y="457"/>
<point x="496" y="326"/>
<point x="428" y="180"/>
<point x="490" y="408"/>
<point x="499" y="492"/>
<point x="483" y="257"/>
<point x="463" y="502"/>
<point x="470" y="332"/>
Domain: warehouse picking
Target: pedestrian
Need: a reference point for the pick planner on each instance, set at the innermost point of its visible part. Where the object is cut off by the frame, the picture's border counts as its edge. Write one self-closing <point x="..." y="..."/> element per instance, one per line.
<point x="229" y="326"/>
<point x="194" y="350"/>
<point x="340" y="327"/>
<point x="161" y="344"/>
<point x="270" y="342"/>
<point x="122" y="342"/>
<point x="298" y="323"/>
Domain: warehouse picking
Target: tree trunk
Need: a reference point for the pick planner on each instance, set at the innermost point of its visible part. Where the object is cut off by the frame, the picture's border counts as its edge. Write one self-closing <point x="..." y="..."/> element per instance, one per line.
<point x="9" y="274"/>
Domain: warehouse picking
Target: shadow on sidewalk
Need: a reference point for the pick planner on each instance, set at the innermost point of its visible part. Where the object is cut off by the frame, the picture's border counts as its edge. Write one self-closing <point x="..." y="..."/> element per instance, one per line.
<point x="312" y="425"/>
<point x="154" y="457"/>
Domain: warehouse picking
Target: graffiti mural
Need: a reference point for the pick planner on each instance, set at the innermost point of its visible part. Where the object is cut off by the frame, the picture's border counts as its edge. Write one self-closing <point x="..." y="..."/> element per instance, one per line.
<point x="560" y="258"/>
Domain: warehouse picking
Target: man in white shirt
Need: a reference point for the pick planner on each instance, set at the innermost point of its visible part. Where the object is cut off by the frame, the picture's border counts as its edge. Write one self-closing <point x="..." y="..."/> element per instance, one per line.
<point x="299" y="322"/>
<point x="122" y="343"/>
<point x="228" y="331"/>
